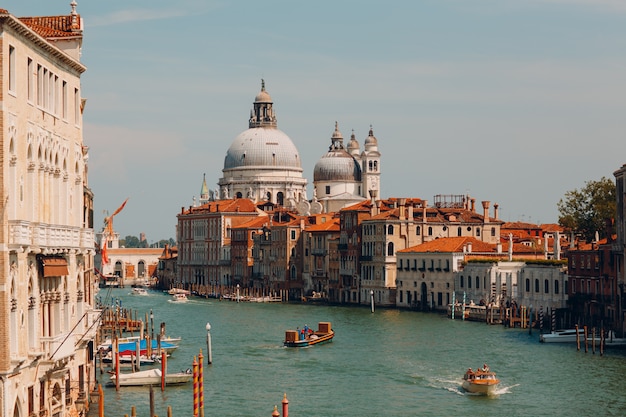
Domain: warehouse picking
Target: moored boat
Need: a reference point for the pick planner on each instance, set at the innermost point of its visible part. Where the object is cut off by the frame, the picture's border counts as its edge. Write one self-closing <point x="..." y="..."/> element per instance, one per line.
<point x="562" y="336"/>
<point x="150" y="377"/>
<point x="480" y="381"/>
<point x="307" y="337"/>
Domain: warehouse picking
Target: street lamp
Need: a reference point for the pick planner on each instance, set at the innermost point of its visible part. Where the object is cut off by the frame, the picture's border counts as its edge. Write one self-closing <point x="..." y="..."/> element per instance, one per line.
<point x="208" y="343"/>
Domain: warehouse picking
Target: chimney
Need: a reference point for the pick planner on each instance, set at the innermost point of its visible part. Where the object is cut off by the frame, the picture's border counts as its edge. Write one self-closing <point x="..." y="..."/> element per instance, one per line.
<point x="402" y="204"/>
<point x="495" y="211"/>
<point x="557" y="246"/>
<point x="473" y="204"/>
<point x="410" y="214"/>
<point x="424" y="205"/>
<point x="499" y="247"/>
<point x="469" y="247"/>
<point x="486" y="211"/>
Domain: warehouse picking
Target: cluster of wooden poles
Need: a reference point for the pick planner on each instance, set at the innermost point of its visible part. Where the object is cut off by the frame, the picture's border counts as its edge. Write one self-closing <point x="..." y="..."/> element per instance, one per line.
<point x="586" y="339"/>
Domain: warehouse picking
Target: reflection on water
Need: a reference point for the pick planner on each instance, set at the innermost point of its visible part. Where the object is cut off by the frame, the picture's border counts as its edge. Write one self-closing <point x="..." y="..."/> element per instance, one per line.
<point x="392" y="363"/>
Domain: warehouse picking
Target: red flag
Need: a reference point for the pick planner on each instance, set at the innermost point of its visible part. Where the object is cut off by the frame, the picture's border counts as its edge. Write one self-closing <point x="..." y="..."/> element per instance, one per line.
<point x="120" y="208"/>
<point x="103" y="251"/>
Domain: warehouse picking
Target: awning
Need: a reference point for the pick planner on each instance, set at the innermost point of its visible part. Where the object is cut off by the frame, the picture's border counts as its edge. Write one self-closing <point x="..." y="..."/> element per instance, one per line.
<point x="54" y="267"/>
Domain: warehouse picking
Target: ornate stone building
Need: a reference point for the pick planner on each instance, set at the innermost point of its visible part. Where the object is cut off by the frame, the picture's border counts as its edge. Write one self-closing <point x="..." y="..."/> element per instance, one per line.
<point x="47" y="315"/>
<point x="262" y="163"/>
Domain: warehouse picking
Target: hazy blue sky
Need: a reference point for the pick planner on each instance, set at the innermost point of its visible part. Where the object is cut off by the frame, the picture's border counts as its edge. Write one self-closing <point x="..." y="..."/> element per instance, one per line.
<point x="511" y="101"/>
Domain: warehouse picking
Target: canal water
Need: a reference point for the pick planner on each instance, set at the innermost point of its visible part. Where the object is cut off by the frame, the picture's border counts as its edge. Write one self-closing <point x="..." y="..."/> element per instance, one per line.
<point x="386" y="363"/>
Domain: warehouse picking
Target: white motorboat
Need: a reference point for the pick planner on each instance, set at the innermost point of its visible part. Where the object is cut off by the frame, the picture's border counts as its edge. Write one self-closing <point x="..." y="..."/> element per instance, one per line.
<point x="139" y="291"/>
<point x="179" y="298"/>
<point x="562" y="336"/>
<point x="151" y="377"/>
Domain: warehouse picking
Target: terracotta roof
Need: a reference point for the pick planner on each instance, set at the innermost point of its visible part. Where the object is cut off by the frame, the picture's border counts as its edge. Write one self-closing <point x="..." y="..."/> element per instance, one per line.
<point x="54" y="26"/>
<point x="452" y="245"/>
<point x="331" y="225"/>
<point x="239" y="205"/>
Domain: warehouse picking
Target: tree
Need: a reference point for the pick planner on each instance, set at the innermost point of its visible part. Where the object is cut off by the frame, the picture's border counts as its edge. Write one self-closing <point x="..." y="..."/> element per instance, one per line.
<point x="586" y="211"/>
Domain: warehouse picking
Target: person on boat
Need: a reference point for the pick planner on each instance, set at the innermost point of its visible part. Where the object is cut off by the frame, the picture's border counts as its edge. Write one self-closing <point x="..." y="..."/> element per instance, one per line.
<point x="485" y="367"/>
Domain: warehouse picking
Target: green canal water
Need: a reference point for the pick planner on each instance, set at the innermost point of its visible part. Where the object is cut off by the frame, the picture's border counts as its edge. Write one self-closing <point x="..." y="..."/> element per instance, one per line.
<point x="386" y="363"/>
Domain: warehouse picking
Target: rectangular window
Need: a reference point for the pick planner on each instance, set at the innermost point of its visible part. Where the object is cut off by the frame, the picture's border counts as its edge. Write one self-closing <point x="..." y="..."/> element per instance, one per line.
<point x="31" y="76"/>
<point x="64" y="101"/>
<point x="39" y="85"/>
<point x="12" y="69"/>
<point x="327" y="189"/>
<point x="76" y="106"/>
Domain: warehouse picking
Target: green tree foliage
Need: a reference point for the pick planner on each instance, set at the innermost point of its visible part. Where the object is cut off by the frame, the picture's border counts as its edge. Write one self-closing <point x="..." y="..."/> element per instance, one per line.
<point x="586" y="211"/>
<point x="134" y="242"/>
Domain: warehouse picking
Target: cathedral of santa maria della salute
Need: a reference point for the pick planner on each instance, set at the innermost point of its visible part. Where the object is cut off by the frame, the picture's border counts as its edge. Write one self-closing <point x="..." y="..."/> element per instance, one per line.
<point x="263" y="164"/>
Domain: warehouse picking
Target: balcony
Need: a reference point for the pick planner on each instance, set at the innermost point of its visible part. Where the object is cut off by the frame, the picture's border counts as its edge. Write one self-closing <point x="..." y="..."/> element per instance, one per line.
<point x="49" y="237"/>
<point x="318" y="252"/>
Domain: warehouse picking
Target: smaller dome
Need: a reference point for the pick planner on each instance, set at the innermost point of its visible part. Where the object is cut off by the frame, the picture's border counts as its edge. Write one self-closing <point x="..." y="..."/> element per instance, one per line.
<point x="337" y="165"/>
<point x="263" y="96"/>
<point x="353" y="145"/>
<point x="371" y="139"/>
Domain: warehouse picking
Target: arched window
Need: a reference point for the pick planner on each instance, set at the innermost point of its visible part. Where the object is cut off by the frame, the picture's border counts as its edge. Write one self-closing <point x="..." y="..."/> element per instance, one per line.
<point x="536" y="285"/>
<point x="469" y="282"/>
<point x="493" y="231"/>
<point x="546" y="286"/>
<point x="390" y="249"/>
<point x="527" y="285"/>
<point x="390" y="230"/>
<point x="477" y="283"/>
<point x="430" y="230"/>
<point x="461" y="283"/>
<point x="280" y="199"/>
<point x="556" y="286"/>
<point x="238" y="195"/>
<point x="478" y="231"/>
<point x="418" y="231"/>
<point x="459" y="231"/>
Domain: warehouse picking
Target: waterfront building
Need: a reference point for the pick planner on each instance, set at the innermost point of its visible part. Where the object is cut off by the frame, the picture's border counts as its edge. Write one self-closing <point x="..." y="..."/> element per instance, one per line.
<point x="242" y="261"/>
<point x="426" y="273"/>
<point x="129" y="265"/>
<point x="320" y="271"/>
<point x="593" y="285"/>
<point x="204" y="235"/>
<point x="167" y="270"/>
<point x="410" y="222"/>
<point x="48" y="319"/>
<point x="619" y="247"/>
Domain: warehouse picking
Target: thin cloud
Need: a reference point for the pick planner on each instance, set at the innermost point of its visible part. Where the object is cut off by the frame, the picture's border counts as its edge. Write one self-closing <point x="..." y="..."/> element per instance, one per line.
<point x="136" y="15"/>
<point x="615" y="5"/>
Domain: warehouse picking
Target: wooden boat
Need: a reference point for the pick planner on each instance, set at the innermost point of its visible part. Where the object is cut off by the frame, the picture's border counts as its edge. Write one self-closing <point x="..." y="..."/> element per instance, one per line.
<point x="480" y="381"/>
<point x="307" y="337"/>
<point x="562" y="336"/>
<point x="150" y="377"/>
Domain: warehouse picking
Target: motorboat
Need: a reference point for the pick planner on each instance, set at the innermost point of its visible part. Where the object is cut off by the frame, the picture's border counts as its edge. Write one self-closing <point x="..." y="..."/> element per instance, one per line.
<point x="307" y="337"/>
<point x="563" y="336"/>
<point x="480" y="381"/>
<point x="174" y="291"/>
<point x="179" y="298"/>
<point x="150" y="377"/>
<point x="139" y="291"/>
<point x="129" y="346"/>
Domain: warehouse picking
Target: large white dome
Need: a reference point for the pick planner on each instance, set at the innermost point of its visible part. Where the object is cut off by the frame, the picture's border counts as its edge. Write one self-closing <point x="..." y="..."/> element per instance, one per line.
<point x="262" y="147"/>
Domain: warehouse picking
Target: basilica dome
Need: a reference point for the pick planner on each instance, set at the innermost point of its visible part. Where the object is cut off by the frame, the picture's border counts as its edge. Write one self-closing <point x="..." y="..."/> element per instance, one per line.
<point x="262" y="147"/>
<point x="337" y="164"/>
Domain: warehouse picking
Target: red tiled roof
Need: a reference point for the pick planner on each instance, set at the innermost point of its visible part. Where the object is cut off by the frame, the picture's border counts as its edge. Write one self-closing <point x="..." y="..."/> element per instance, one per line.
<point x="331" y="225"/>
<point x="54" y="26"/>
<point x="240" y="205"/>
<point x="452" y="245"/>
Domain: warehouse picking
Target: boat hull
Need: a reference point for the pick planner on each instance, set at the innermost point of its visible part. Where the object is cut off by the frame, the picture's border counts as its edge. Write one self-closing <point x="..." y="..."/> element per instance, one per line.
<point x="562" y="336"/>
<point x="314" y="339"/>
<point x="478" y="387"/>
<point x="150" y="377"/>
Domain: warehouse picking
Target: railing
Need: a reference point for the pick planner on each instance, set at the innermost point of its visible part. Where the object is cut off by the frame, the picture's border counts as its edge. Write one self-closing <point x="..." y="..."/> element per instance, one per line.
<point x="24" y="233"/>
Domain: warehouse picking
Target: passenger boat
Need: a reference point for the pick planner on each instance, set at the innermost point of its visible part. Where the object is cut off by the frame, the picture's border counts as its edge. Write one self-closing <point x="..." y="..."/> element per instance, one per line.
<point x="150" y="377"/>
<point x="174" y="291"/>
<point x="179" y="298"/>
<point x="139" y="291"/>
<point x="307" y="337"/>
<point x="562" y="336"/>
<point x="143" y="359"/>
<point x="480" y="381"/>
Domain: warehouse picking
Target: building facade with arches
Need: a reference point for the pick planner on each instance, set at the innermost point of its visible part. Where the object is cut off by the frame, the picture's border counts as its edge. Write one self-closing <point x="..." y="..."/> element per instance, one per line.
<point x="48" y="319"/>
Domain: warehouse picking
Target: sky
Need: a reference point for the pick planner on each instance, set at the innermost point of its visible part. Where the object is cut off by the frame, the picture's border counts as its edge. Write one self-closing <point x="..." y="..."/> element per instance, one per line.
<point x="511" y="101"/>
